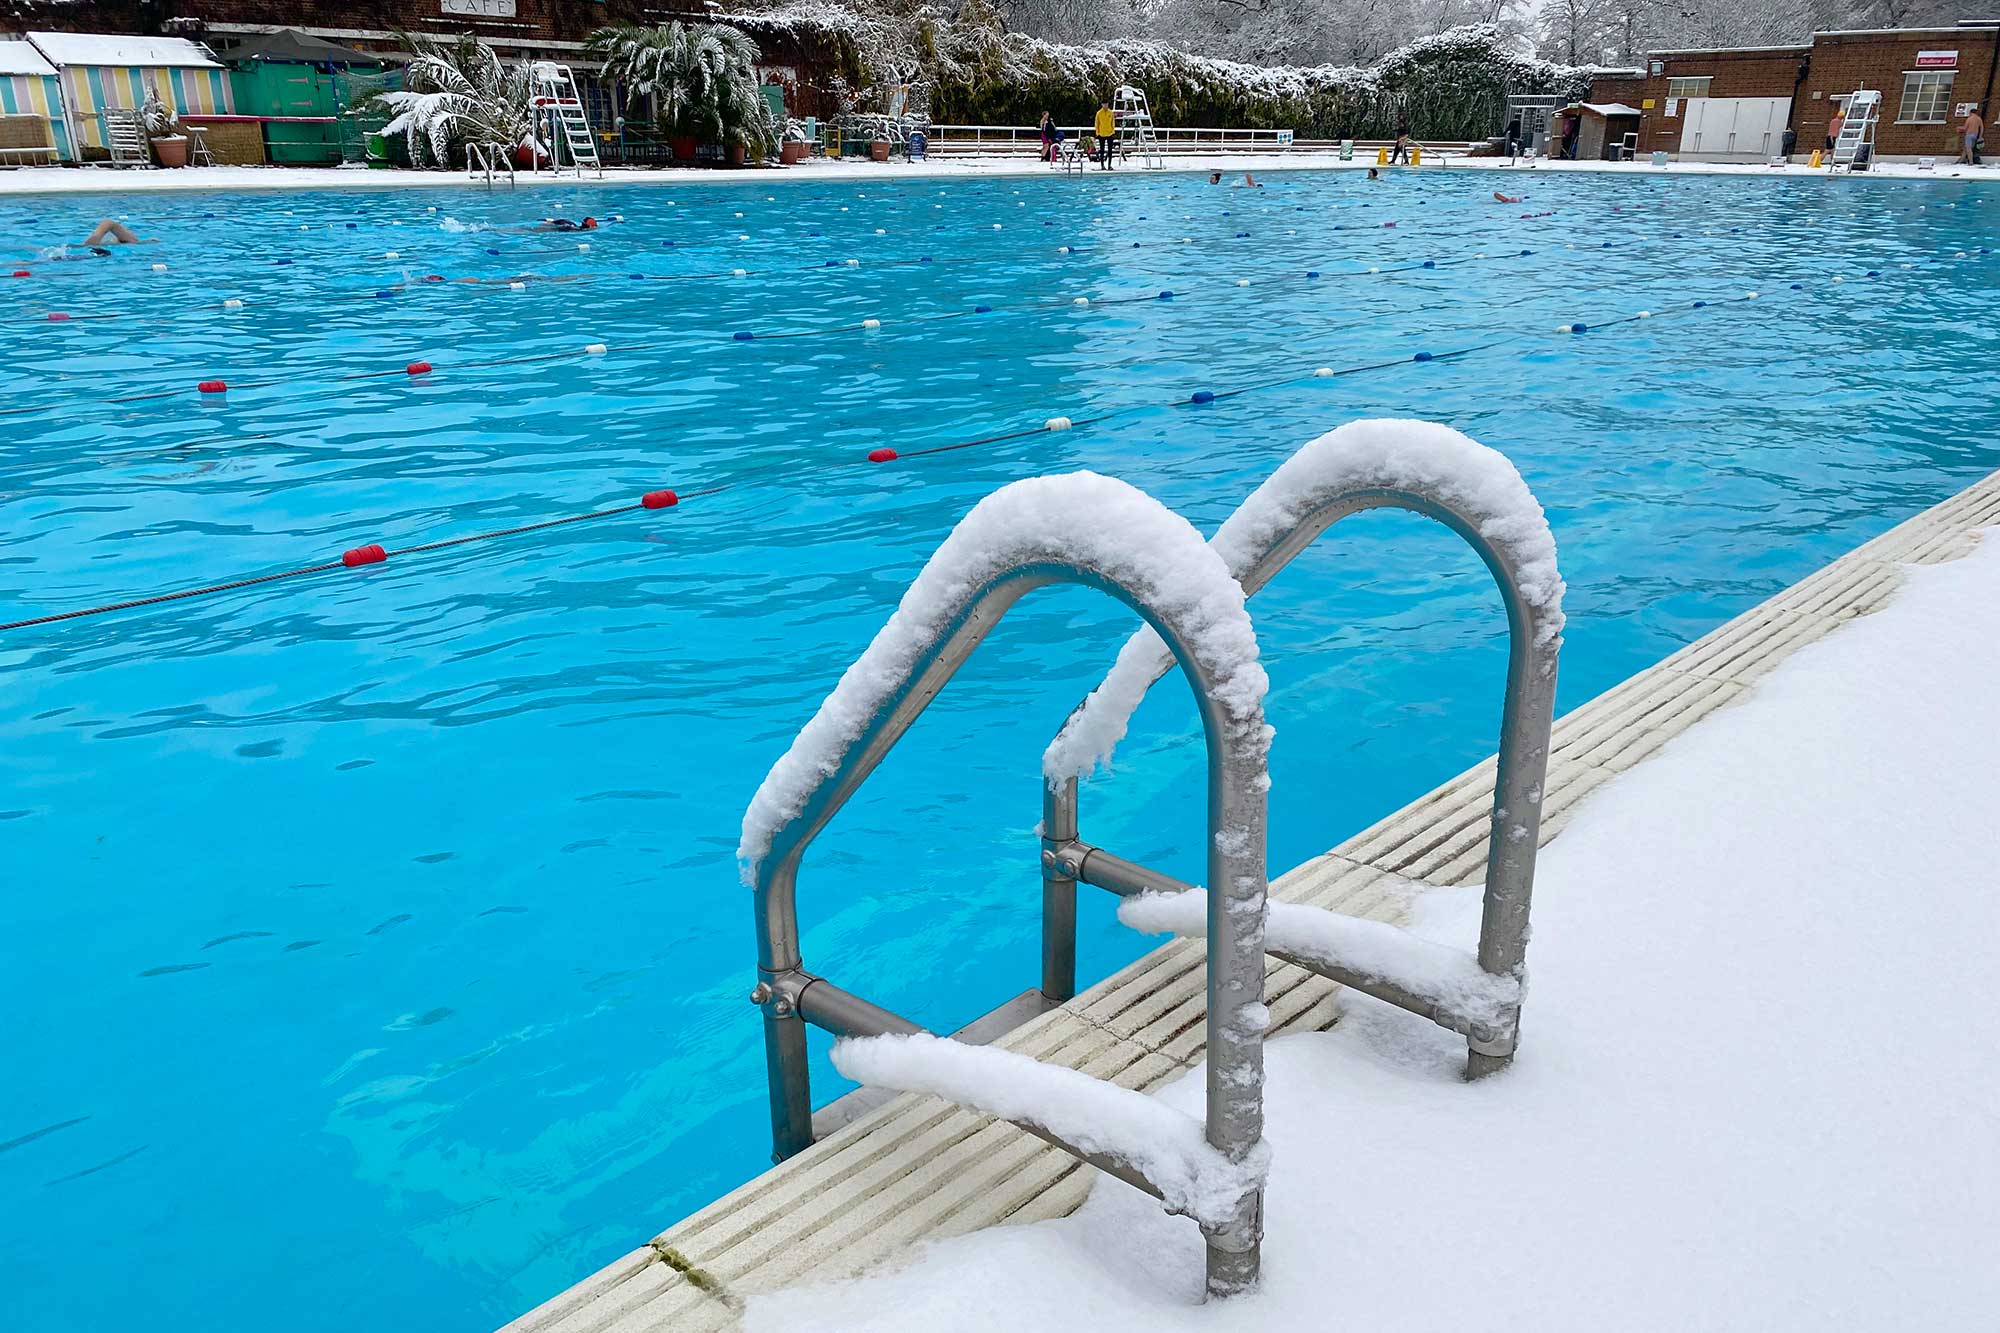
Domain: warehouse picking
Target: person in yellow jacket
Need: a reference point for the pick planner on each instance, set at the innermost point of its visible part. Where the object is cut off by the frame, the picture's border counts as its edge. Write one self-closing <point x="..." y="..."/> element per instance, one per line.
<point x="1107" y="133"/>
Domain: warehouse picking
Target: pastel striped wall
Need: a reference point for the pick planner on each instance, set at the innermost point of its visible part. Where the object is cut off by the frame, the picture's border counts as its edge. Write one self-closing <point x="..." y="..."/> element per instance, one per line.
<point x="94" y="88"/>
<point x="36" y="95"/>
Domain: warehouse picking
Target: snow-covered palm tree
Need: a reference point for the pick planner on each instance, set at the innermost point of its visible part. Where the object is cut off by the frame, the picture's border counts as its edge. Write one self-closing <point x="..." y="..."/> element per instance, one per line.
<point x="702" y="79"/>
<point x="456" y="93"/>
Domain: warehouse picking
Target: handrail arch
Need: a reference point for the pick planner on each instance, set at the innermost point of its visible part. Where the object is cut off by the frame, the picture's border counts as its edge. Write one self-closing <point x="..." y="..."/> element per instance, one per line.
<point x="1021" y="538"/>
<point x="1416" y="466"/>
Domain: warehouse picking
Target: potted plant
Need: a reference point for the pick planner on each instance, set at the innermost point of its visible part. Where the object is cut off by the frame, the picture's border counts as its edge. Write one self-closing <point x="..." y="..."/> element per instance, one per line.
<point x="169" y="148"/>
<point x="796" y="147"/>
<point x="878" y="150"/>
<point x="701" y="80"/>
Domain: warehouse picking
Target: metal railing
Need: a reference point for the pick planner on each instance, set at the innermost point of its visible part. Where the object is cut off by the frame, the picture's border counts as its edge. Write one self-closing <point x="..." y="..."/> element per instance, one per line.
<point x="490" y="159"/>
<point x="1028" y="138"/>
<point x="1526" y="719"/>
<point x="790" y="997"/>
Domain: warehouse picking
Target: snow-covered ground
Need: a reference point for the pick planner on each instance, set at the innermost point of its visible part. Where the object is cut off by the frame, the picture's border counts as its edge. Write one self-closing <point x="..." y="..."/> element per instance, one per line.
<point x="104" y="180"/>
<point x="1757" y="1087"/>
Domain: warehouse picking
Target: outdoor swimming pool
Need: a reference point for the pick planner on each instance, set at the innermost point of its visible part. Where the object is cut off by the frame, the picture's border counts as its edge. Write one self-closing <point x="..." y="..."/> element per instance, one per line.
<point x="377" y="952"/>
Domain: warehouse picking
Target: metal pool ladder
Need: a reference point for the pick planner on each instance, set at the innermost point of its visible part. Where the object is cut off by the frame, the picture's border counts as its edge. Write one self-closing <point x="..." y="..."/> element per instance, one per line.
<point x="1535" y="642"/>
<point x="790" y="997"/>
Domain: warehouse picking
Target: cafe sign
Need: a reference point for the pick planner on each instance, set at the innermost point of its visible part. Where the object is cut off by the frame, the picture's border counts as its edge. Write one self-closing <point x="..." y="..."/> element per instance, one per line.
<point x="482" y="9"/>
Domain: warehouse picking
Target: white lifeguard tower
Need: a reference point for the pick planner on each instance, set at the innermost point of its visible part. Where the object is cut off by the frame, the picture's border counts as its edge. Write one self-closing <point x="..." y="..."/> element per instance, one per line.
<point x="559" y="111"/>
<point x="1854" y="148"/>
<point x="1134" y="118"/>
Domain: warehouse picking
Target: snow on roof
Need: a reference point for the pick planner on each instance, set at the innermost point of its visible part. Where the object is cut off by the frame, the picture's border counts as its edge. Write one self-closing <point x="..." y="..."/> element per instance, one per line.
<point x="21" y="58"/>
<point x="1611" y="108"/>
<point x="122" y="50"/>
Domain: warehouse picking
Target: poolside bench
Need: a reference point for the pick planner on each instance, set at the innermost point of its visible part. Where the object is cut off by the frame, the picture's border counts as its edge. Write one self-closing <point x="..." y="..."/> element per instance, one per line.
<point x="27" y="140"/>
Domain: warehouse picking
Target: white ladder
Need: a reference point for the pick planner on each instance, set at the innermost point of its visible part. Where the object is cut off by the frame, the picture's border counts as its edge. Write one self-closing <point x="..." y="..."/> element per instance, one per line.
<point x="570" y="135"/>
<point x="1128" y="107"/>
<point x="1856" y="143"/>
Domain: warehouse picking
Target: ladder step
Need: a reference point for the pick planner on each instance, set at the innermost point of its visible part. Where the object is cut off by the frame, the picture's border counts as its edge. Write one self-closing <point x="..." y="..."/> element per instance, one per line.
<point x="1142" y="1141"/>
<point x="1444" y="984"/>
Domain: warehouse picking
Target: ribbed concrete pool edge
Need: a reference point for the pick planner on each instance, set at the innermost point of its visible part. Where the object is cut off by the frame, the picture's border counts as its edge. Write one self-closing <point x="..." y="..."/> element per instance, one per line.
<point x="918" y="1169"/>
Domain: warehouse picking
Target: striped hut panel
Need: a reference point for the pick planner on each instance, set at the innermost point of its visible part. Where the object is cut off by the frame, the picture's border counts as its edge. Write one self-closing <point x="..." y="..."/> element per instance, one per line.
<point x="83" y="88"/>
<point x="45" y="98"/>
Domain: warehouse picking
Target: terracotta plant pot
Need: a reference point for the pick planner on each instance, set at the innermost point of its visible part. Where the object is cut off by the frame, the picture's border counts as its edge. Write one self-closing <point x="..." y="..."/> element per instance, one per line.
<point x="792" y="154"/>
<point x="735" y="154"/>
<point x="171" y="150"/>
<point x="683" y="146"/>
<point x="879" y="150"/>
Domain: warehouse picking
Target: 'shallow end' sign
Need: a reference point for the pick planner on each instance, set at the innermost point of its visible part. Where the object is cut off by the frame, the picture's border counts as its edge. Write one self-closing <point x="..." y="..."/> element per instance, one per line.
<point x="484" y="9"/>
<point x="1937" y="60"/>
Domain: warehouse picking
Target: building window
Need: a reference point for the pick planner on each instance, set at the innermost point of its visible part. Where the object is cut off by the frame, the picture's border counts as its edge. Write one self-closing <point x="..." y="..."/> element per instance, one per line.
<point x="1689" y="87"/>
<point x="1926" y="97"/>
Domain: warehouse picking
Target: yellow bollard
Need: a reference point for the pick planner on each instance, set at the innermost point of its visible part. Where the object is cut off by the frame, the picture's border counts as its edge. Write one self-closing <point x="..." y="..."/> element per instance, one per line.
<point x="1381" y="157"/>
<point x="1416" y="155"/>
<point x="1815" y="159"/>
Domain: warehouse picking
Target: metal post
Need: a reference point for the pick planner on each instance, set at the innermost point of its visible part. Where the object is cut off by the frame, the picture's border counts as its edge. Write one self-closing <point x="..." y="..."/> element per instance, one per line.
<point x="1058" y="892"/>
<point x="790" y="1080"/>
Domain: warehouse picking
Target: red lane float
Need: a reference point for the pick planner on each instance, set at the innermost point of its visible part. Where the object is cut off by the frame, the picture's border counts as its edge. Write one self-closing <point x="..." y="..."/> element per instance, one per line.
<point x="882" y="455"/>
<point x="659" y="499"/>
<point x="418" y="368"/>
<point x="23" y="273"/>
<point x="57" y="315"/>
<point x="371" y="554"/>
<point x="212" y="386"/>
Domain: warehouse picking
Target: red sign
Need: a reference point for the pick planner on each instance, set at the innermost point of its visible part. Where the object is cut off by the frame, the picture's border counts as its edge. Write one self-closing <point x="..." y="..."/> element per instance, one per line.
<point x="1937" y="60"/>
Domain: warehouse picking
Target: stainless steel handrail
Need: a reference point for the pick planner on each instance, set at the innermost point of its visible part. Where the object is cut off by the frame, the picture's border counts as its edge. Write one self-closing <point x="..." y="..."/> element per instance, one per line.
<point x="1527" y="716"/>
<point x="790" y="997"/>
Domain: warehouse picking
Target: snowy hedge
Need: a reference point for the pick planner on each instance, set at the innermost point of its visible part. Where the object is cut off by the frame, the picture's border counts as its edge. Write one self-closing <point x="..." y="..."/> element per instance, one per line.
<point x="1450" y="86"/>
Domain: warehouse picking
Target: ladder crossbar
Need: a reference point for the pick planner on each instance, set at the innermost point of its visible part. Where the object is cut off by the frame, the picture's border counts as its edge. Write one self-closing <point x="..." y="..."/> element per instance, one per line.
<point x="1128" y="879"/>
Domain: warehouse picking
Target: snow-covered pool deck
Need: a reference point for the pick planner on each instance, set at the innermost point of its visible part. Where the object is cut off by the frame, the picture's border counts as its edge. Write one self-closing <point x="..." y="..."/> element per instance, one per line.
<point x="105" y="180"/>
<point x="917" y="1169"/>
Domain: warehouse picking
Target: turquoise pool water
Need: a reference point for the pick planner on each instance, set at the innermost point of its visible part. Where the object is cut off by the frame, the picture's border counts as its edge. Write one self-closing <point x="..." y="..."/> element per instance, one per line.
<point x="376" y="955"/>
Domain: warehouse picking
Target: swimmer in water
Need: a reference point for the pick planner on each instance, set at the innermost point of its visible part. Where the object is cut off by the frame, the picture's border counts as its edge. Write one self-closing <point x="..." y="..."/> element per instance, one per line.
<point x="109" y="232"/>
<point x="1250" y="182"/>
<point x="564" y="224"/>
<point x="1215" y="178"/>
<point x="1500" y="198"/>
<point x="1374" y="175"/>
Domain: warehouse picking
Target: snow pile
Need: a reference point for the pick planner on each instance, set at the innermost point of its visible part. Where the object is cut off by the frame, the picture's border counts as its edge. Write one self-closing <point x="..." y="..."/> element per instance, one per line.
<point x="1447" y="976"/>
<point x="1164" y="1145"/>
<point x="1093" y="522"/>
<point x="1419" y="456"/>
<point x="1757" y="1092"/>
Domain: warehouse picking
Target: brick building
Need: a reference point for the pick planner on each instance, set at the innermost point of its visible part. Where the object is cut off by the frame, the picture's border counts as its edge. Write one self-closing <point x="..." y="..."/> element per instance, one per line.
<point x="1737" y="104"/>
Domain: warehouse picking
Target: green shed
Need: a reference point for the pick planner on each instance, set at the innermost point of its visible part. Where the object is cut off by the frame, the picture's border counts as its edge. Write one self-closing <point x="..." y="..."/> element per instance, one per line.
<point x="297" y="81"/>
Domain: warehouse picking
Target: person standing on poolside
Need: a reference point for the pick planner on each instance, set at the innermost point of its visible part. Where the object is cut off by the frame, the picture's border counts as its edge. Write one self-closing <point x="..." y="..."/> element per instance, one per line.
<point x="1048" y="138"/>
<point x="1969" y="134"/>
<point x="1107" y="133"/>
<point x="1513" y="140"/>
<point x="1833" y="128"/>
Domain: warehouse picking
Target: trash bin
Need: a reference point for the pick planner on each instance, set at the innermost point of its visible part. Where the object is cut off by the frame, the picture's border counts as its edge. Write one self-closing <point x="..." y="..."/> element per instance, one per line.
<point x="1659" y="157"/>
<point x="918" y="143"/>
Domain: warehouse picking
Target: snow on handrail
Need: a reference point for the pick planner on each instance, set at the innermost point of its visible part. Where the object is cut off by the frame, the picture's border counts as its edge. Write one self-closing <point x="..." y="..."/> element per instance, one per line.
<point x="1163" y="1146"/>
<point x="1081" y="519"/>
<point x="1414" y="463"/>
